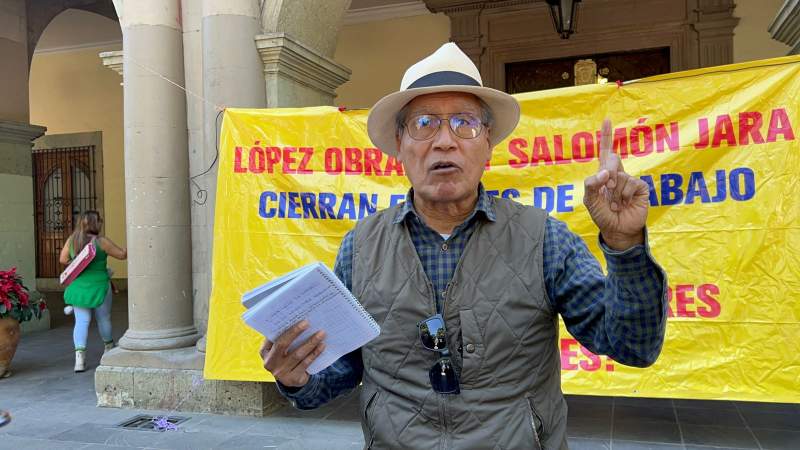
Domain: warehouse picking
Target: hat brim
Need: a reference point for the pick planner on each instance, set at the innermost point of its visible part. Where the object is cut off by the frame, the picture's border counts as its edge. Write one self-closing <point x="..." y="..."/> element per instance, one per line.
<point x="382" y="120"/>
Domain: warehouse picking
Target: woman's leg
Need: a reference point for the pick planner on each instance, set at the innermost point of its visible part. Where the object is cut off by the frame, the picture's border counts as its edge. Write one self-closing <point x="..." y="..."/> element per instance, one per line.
<point x="103" y="316"/>
<point x="82" y="318"/>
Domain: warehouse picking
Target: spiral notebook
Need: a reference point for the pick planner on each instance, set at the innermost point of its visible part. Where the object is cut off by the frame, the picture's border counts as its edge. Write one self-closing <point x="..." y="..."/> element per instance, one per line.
<point x="313" y="293"/>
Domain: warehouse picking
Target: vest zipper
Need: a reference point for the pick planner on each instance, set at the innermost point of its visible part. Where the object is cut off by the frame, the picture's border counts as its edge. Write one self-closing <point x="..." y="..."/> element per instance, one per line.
<point x="445" y="423"/>
<point x="442" y="398"/>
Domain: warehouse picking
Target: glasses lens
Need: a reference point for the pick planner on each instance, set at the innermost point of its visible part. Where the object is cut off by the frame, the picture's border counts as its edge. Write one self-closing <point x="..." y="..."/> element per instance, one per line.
<point x="465" y="126"/>
<point x="423" y="126"/>
<point x="432" y="333"/>
<point x="443" y="377"/>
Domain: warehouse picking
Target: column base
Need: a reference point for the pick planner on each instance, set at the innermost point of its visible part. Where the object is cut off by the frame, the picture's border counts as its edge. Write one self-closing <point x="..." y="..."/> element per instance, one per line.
<point x="173" y="380"/>
<point x="159" y="339"/>
<point x="201" y="344"/>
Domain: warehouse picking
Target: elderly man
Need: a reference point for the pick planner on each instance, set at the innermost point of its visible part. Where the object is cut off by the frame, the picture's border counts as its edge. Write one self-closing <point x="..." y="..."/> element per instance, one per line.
<point x="467" y="287"/>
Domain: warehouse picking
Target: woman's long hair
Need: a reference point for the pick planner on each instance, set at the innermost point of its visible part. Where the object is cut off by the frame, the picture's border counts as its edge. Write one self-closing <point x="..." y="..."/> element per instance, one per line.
<point x="87" y="227"/>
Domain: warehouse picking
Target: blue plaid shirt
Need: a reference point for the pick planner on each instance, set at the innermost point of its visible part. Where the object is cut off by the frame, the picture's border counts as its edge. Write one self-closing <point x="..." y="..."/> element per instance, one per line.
<point x="622" y="315"/>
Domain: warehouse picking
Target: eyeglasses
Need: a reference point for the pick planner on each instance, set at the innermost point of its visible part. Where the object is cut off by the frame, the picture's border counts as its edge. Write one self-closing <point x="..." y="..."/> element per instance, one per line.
<point x="425" y="126"/>
<point x="433" y="335"/>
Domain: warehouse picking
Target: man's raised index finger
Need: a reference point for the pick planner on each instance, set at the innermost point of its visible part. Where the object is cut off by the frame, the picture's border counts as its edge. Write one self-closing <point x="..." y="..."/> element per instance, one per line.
<point x="606" y="140"/>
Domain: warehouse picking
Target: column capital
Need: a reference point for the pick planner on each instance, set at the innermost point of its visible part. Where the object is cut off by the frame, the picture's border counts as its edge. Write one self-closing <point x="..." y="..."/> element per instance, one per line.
<point x="19" y="132"/>
<point x="284" y="56"/>
<point x="785" y="27"/>
<point x="113" y="60"/>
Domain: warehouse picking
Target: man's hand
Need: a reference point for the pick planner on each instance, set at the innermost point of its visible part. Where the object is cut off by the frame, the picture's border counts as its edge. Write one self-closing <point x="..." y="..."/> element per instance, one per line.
<point x="290" y="368"/>
<point x="616" y="201"/>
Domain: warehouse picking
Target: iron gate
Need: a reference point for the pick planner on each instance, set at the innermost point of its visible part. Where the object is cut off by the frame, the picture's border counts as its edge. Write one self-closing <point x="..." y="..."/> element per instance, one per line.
<point x="64" y="187"/>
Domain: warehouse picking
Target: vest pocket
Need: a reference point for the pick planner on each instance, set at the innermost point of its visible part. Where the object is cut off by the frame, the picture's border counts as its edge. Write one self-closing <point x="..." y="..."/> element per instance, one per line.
<point x="471" y="347"/>
<point x="536" y="423"/>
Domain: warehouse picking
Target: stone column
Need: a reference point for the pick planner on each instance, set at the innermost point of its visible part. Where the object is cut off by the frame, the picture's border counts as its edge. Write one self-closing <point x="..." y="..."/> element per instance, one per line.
<point x="229" y="79"/>
<point x="214" y="56"/>
<point x="173" y="378"/>
<point x="156" y="364"/>
<point x="786" y="25"/>
<point x="156" y="179"/>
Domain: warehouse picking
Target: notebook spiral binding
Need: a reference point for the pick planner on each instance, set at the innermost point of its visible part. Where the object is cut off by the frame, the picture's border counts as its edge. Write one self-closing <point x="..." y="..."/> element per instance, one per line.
<point x="347" y="294"/>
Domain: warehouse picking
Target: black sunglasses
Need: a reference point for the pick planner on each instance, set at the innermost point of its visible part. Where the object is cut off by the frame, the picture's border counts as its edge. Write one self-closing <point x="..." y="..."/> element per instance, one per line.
<point x="444" y="379"/>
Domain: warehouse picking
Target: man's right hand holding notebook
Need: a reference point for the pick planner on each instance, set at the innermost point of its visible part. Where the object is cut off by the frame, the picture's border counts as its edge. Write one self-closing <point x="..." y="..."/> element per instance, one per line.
<point x="290" y="368"/>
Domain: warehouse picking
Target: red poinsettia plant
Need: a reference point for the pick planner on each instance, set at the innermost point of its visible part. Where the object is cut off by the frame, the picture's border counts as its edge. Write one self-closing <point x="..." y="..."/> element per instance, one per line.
<point x="15" y="300"/>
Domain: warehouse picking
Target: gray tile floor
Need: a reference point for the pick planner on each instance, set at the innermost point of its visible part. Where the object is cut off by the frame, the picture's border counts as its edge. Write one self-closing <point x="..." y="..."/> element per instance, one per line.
<point x="54" y="408"/>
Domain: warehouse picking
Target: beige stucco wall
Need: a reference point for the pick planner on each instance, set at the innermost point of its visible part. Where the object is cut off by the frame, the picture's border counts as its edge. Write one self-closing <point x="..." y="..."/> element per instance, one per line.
<point x="72" y="92"/>
<point x="379" y="52"/>
<point x="751" y="40"/>
<point x="16" y="239"/>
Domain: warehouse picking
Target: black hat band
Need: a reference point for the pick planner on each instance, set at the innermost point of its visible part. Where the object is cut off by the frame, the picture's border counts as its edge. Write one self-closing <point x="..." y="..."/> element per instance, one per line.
<point x="444" y="78"/>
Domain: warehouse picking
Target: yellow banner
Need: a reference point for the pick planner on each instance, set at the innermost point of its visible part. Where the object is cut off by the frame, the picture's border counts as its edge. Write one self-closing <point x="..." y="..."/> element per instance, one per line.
<point x="717" y="146"/>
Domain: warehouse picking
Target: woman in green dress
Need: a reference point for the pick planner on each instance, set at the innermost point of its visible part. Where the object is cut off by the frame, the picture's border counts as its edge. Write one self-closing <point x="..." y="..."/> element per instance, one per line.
<point x="91" y="290"/>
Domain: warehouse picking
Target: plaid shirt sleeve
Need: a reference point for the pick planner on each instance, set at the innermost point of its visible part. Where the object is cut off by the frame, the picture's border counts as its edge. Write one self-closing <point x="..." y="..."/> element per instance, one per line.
<point x="622" y="315"/>
<point x="343" y="375"/>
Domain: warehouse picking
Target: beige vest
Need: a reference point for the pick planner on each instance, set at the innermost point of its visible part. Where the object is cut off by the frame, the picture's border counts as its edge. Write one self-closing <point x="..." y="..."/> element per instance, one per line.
<point x="495" y="308"/>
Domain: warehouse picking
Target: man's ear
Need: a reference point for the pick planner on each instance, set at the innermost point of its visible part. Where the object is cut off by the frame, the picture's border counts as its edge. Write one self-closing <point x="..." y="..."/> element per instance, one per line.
<point x="399" y="152"/>
<point x="488" y="145"/>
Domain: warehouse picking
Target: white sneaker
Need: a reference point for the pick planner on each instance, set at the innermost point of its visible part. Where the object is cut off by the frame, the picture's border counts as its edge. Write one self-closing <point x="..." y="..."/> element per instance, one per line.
<point x="80" y="360"/>
<point x="68" y="310"/>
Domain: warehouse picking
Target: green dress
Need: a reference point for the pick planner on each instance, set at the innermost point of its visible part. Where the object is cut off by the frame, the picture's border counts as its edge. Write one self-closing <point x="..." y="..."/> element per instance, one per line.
<point x="89" y="289"/>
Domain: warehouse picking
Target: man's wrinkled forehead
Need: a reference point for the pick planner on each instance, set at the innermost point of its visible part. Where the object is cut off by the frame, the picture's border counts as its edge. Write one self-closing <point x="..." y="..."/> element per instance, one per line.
<point x="432" y="103"/>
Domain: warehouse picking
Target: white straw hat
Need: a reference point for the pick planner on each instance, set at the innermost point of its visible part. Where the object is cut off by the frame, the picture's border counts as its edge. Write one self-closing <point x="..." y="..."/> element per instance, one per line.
<point x="448" y="69"/>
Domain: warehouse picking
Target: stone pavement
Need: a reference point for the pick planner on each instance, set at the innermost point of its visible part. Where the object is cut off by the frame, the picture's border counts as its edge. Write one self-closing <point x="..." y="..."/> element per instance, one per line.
<point x="54" y="408"/>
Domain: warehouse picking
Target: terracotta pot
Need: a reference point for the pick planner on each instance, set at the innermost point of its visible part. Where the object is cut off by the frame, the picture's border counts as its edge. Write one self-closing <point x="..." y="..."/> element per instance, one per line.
<point x="9" y="338"/>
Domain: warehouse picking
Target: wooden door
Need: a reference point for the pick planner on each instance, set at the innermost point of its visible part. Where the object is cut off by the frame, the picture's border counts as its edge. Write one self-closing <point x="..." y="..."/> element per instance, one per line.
<point x="530" y="76"/>
<point x="64" y="185"/>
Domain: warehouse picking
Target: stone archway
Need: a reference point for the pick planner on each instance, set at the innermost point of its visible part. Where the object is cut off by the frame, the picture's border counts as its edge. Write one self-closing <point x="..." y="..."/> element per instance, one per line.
<point x="82" y="109"/>
<point x="41" y="12"/>
<point x="26" y="21"/>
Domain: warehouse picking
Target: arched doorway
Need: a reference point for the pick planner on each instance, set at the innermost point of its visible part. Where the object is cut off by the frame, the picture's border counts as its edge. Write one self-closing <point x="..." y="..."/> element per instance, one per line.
<point x="78" y="164"/>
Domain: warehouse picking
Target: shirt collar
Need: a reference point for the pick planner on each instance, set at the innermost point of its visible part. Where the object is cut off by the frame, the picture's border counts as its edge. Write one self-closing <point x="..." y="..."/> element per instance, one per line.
<point x="485" y="205"/>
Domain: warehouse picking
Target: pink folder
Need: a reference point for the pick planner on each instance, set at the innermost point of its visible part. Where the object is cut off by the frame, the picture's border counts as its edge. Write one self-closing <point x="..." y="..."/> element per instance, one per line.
<point x="78" y="264"/>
